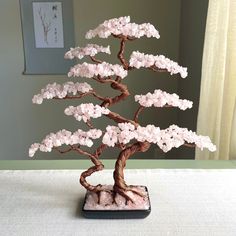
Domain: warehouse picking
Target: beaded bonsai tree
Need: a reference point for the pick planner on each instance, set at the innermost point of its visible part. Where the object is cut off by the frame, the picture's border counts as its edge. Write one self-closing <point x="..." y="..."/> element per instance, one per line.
<point x="128" y="135"/>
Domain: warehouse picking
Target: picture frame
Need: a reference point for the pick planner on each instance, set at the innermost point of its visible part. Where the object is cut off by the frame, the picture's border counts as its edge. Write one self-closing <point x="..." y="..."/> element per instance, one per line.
<point x="48" y="32"/>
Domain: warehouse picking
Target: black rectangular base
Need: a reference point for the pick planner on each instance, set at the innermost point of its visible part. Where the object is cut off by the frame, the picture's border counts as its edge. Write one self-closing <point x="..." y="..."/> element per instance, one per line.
<point x="119" y="214"/>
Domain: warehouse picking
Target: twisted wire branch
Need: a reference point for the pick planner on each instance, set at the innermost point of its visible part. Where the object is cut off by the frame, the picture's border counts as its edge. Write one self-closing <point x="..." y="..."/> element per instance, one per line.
<point x="98" y="166"/>
<point x="154" y="68"/>
<point x="121" y="54"/>
<point x="95" y="60"/>
<point x="137" y="113"/>
<point x="120" y="186"/>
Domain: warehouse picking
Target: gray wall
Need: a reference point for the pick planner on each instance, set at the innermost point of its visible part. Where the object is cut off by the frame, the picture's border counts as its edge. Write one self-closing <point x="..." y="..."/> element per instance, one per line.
<point x="193" y="21"/>
<point x="22" y="123"/>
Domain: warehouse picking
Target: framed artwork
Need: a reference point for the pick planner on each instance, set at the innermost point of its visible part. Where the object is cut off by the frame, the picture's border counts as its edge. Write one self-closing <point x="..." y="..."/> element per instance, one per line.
<point x="48" y="32"/>
<point x="48" y="24"/>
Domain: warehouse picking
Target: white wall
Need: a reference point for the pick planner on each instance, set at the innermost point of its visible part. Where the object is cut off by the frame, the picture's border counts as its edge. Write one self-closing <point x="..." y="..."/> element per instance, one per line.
<point x="22" y="123"/>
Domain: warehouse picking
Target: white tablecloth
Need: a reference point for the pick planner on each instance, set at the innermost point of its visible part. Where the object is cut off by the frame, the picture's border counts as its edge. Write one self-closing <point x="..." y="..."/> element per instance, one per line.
<point x="184" y="202"/>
